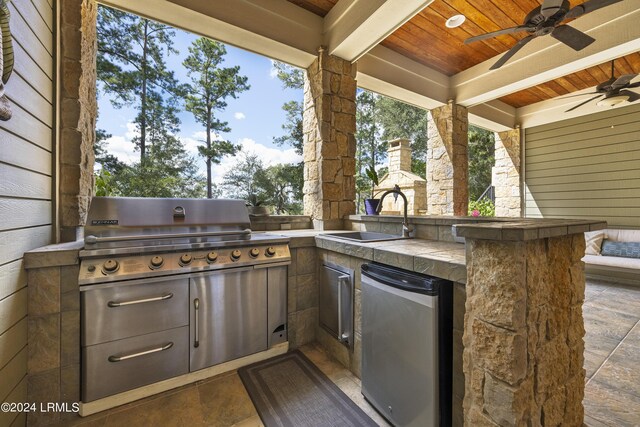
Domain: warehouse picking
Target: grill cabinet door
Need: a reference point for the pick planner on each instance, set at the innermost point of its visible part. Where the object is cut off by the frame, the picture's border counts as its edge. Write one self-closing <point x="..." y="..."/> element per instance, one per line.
<point x="228" y="316"/>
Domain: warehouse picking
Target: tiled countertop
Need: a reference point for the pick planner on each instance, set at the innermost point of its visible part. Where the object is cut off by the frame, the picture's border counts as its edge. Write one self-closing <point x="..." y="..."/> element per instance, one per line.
<point x="437" y="258"/>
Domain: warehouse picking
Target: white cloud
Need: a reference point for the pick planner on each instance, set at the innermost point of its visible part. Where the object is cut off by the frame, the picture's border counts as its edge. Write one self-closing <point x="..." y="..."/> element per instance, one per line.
<point x="239" y="115"/>
<point x="269" y="155"/>
<point x="273" y="72"/>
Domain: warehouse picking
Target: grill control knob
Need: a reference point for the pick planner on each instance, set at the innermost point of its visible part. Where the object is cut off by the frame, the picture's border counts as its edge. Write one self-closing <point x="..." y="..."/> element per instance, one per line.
<point x="235" y="255"/>
<point x="271" y="251"/>
<point x="110" y="266"/>
<point x="91" y="268"/>
<point x="212" y="256"/>
<point x="254" y="252"/>
<point x="156" y="262"/>
<point x="185" y="259"/>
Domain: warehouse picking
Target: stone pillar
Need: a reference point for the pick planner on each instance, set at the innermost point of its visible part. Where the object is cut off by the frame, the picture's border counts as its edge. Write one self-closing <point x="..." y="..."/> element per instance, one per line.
<point x="447" y="161"/>
<point x="523" y="328"/>
<point x="78" y="111"/>
<point x="506" y="174"/>
<point x="329" y="125"/>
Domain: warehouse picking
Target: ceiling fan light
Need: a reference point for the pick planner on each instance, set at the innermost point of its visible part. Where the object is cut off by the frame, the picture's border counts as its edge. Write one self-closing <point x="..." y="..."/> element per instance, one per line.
<point x="612" y="101"/>
<point x="455" y="21"/>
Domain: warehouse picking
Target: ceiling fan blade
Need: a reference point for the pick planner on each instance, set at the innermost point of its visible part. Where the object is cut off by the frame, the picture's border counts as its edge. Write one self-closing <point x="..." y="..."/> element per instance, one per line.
<point x="575" y="39"/>
<point x="512" y="52"/>
<point x="623" y="81"/>
<point x="589" y="6"/>
<point x="550" y="7"/>
<point x="585" y="102"/>
<point x="579" y="94"/>
<point x="511" y="30"/>
<point x="633" y="97"/>
<point x="633" y="85"/>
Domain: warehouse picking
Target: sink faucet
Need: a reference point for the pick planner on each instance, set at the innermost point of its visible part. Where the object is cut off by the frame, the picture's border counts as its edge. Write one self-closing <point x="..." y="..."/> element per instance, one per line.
<point x="405" y="223"/>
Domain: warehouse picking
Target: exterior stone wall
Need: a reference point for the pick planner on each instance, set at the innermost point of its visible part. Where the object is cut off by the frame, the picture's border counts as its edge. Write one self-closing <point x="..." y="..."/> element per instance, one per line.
<point x="506" y="174"/>
<point x="523" y="332"/>
<point x="329" y="125"/>
<point x="447" y="160"/>
<point x="53" y="363"/>
<point x="302" y="295"/>
<point x="78" y="112"/>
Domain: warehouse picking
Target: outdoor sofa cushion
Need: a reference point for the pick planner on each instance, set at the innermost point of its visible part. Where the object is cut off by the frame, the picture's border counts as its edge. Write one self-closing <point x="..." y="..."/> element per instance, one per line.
<point x="612" y="261"/>
<point x="622" y="235"/>
<point x="593" y="240"/>
<point x="620" y="249"/>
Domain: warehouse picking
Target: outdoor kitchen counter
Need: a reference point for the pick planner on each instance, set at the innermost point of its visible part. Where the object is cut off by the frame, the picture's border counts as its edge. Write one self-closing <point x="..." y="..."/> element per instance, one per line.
<point x="437" y="258"/>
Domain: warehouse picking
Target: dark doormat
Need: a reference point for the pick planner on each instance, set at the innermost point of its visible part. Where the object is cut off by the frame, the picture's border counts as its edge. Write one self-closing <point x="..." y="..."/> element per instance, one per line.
<point x="290" y="391"/>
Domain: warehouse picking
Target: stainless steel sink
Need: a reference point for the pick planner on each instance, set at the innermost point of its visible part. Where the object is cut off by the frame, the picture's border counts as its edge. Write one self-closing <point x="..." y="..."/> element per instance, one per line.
<point x="364" y="236"/>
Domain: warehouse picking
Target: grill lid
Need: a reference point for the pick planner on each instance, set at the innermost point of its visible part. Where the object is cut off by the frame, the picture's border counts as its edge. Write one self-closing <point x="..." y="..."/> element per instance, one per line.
<point x="131" y="221"/>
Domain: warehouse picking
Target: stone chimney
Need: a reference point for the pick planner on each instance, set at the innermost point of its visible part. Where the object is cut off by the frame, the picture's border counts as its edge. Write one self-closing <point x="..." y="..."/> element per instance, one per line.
<point x="399" y="155"/>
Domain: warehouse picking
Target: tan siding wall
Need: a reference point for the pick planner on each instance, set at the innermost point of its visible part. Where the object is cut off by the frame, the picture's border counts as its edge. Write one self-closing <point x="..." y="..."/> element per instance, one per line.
<point x="588" y="167"/>
<point x="26" y="165"/>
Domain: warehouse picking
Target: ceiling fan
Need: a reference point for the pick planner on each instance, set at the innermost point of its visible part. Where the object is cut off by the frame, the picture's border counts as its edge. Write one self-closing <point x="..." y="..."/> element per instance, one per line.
<point x="615" y="91"/>
<point x="547" y="19"/>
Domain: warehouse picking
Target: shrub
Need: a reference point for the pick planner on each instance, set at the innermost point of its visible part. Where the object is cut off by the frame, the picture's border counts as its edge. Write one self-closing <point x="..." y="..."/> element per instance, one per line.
<point x="484" y="207"/>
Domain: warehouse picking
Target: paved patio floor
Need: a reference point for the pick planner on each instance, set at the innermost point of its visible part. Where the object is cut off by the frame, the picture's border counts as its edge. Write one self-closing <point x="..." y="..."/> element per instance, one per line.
<point x="612" y="364"/>
<point x="612" y="354"/>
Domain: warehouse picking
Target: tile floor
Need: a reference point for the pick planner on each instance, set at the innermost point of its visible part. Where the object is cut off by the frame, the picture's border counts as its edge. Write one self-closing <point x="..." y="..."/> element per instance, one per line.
<point x="612" y="355"/>
<point x="612" y="364"/>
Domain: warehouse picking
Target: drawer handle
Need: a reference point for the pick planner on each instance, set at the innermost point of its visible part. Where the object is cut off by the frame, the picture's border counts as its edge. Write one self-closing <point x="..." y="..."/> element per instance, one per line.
<point x="344" y="278"/>
<point x="142" y="353"/>
<point x="139" y="301"/>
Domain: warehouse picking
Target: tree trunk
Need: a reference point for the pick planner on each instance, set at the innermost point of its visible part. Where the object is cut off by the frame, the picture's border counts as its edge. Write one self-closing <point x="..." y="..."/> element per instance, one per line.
<point x="143" y="96"/>
<point x="209" y="192"/>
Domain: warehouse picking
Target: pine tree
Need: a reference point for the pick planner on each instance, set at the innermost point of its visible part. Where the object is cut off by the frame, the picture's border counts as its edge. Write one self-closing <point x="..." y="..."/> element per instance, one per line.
<point x="292" y="78"/>
<point x="210" y="86"/>
<point x="132" y="70"/>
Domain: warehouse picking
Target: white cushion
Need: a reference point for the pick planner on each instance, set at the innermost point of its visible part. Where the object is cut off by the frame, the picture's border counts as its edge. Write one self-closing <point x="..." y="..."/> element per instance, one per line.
<point x="593" y="240"/>
<point x="622" y="235"/>
<point x="613" y="261"/>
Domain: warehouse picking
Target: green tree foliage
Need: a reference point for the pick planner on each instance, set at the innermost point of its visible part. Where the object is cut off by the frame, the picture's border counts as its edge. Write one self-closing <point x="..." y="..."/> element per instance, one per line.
<point x="210" y="86"/>
<point x="250" y="180"/>
<point x="292" y="78"/>
<point x="370" y="148"/>
<point x="481" y="160"/>
<point x="401" y="120"/>
<point x="131" y="67"/>
<point x="106" y="160"/>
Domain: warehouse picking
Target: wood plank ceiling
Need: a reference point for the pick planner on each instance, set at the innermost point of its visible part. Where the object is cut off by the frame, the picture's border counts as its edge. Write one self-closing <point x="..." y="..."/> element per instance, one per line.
<point x="426" y="40"/>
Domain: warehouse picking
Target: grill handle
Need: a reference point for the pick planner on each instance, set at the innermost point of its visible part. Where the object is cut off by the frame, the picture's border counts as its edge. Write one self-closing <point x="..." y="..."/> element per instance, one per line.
<point x="196" y="308"/>
<point x="113" y="304"/>
<point x="92" y="240"/>
<point x="114" y="359"/>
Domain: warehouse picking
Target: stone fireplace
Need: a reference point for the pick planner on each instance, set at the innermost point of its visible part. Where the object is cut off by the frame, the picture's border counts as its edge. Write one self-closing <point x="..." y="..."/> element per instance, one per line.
<point x="413" y="186"/>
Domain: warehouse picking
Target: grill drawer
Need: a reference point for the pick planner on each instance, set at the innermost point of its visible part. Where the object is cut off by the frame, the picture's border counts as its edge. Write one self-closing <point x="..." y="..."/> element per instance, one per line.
<point x="124" y="311"/>
<point x="126" y="364"/>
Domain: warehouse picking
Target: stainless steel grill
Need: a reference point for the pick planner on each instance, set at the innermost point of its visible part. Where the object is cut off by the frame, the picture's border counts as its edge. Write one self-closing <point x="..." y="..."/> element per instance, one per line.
<point x="129" y="238"/>
<point x="171" y="286"/>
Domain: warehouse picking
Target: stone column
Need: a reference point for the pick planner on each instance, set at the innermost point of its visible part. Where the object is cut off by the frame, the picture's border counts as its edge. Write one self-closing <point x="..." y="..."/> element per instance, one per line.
<point x="523" y="326"/>
<point x="506" y="173"/>
<point x="447" y="160"/>
<point x="78" y="110"/>
<point x="329" y="125"/>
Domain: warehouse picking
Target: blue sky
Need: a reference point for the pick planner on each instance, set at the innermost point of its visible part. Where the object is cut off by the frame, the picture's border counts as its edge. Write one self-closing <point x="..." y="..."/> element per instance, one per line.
<point x="255" y="117"/>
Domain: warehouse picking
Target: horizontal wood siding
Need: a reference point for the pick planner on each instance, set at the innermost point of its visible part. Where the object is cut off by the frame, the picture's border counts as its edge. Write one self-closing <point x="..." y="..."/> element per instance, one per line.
<point x="26" y="168"/>
<point x="587" y="167"/>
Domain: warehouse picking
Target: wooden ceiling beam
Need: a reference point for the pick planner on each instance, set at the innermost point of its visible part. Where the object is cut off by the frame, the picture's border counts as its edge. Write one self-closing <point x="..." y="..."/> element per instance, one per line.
<point x="274" y="28"/>
<point x="614" y="28"/>
<point x="354" y="27"/>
